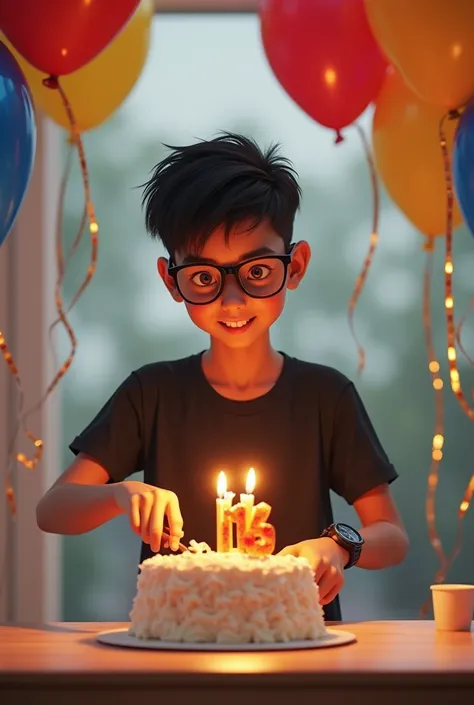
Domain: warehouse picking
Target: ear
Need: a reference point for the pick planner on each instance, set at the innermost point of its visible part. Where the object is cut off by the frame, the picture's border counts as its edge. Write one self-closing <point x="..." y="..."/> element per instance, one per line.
<point x="299" y="264"/>
<point x="168" y="281"/>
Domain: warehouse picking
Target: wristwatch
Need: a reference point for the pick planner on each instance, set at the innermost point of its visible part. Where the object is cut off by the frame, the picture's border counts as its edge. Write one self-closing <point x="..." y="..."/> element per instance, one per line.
<point x="348" y="538"/>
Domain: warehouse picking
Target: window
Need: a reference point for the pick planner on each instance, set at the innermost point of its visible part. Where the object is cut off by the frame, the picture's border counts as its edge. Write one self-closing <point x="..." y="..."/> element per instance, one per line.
<point x="205" y="73"/>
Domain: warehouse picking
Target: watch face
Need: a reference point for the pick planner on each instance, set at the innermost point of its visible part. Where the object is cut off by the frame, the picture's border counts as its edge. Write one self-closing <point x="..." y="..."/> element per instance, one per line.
<point x="348" y="533"/>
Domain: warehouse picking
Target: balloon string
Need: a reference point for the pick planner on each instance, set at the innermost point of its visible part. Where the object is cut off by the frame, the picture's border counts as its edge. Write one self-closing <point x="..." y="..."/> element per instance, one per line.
<point x="53" y="83"/>
<point x="459" y="332"/>
<point x="374" y="238"/>
<point x="75" y="141"/>
<point x="74" y="246"/>
<point x="463" y="507"/>
<point x="88" y="214"/>
<point x="438" y="436"/>
<point x="60" y="264"/>
<point x="448" y="279"/>
<point x="62" y="261"/>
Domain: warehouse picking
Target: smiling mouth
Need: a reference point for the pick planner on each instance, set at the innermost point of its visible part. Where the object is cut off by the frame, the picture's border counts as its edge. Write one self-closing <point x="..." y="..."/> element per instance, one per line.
<point x="235" y="326"/>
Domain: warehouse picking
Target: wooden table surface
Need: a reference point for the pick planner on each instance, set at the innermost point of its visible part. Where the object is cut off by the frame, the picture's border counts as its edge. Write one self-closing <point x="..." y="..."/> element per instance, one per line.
<point x="391" y="662"/>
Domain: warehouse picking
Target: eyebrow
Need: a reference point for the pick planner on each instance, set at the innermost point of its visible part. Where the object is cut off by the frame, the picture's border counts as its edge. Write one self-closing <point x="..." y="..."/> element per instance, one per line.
<point x="195" y="259"/>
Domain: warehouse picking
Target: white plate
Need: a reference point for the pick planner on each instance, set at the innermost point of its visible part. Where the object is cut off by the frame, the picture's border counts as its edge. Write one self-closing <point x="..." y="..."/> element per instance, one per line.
<point x="121" y="637"/>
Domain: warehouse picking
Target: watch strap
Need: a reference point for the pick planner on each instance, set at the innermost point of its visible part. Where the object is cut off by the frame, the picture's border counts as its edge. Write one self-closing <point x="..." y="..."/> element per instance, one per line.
<point x="353" y="549"/>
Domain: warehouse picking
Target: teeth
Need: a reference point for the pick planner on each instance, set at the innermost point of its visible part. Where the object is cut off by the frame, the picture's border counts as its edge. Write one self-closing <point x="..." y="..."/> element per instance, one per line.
<point x="235" y="324"/>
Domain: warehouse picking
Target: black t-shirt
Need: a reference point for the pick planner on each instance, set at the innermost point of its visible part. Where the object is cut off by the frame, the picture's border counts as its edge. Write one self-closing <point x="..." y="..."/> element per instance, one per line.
<point x="309" y="434"/>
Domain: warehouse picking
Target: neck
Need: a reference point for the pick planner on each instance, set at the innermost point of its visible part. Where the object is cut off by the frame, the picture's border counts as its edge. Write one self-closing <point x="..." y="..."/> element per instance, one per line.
<point x="242" y="369"/>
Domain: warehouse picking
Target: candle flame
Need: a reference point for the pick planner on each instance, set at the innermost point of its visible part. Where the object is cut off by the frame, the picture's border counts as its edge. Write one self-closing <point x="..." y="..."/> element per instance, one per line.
<point x="250" y="484"/>
<point x="221" y="485"/>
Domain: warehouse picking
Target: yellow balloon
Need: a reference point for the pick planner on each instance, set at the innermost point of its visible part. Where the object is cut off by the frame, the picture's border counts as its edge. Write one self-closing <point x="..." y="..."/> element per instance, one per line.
<point x="408" y="155"/>
<point x="431" y="42"/>
<point x="99" y="88"/>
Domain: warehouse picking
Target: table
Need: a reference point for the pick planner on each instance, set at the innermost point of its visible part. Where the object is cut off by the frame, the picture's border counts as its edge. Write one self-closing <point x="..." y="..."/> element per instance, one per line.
<point x="393" y="662"/>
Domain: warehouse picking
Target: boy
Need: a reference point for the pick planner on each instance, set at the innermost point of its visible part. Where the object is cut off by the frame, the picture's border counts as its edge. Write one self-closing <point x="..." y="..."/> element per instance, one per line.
<point x="224" y="212"/>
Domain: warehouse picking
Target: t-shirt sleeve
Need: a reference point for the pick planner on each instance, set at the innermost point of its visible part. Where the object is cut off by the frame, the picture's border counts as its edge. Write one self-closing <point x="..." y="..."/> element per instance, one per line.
<point x="114" y="437"/>
<point x="358" y="462"/>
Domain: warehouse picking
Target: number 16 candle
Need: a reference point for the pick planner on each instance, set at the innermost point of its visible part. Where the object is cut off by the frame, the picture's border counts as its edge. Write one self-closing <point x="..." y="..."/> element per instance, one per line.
<point x="255" y="535"/>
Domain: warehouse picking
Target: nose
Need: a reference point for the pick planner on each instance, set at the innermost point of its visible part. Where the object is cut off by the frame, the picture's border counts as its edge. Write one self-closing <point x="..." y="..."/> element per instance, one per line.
<point x="233" y="296"/>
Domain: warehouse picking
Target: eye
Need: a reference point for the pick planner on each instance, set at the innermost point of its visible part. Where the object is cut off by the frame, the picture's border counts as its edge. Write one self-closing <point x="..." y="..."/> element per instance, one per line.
<point x="203" y="278"/>
<point x="259" y="272"/>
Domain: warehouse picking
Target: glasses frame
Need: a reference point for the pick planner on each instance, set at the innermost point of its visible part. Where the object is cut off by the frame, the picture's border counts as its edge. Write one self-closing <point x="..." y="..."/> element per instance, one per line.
<point x="173" y="271"/>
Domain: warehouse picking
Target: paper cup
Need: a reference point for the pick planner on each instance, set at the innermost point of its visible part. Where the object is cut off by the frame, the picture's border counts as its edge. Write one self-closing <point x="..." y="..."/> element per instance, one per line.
<point x="453" y="607"/>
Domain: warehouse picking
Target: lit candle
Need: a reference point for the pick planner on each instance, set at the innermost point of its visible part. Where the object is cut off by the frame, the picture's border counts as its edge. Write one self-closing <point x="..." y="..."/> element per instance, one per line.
<point x="223" y="520"/>
<point x="248" y="498"/>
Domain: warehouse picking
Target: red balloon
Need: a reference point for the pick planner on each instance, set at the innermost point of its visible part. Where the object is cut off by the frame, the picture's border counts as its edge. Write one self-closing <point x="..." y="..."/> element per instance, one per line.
<point x="60" y="36"/>
<point x="324" y="55"/>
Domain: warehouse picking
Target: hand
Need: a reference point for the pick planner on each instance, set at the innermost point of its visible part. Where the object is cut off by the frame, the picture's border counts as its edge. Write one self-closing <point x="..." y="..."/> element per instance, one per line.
<point x="327" y="559"/>
<point x="146" y="507"/>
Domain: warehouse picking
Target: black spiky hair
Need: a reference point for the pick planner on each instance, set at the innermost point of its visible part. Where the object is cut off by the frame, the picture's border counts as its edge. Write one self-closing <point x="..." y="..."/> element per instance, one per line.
<point x="222" y="182"/>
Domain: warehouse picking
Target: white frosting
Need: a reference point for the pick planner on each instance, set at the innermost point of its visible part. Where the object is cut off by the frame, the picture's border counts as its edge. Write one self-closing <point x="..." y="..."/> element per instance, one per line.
<point x="228" y="598"/>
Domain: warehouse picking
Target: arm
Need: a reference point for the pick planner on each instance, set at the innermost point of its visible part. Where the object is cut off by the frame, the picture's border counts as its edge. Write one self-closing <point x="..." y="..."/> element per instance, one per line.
<point x="361" y="472"/>
<point x="110" y="447"/>
<point x="79" y="501"/>
<point x="386" y="541"/>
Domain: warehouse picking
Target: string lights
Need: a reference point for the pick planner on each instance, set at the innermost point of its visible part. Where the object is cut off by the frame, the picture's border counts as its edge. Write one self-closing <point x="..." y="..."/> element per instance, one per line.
<point x="452" y="337"/>
<point x="438" y="435"/>
<point x="454" y="376"/>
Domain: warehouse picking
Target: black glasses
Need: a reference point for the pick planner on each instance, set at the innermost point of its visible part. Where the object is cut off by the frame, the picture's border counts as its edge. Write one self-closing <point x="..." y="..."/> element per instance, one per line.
<point x="259" y="277"/>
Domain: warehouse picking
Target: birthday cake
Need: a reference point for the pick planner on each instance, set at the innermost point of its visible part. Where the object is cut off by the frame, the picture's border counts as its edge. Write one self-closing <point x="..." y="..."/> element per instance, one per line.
<point x="226" y="598"/>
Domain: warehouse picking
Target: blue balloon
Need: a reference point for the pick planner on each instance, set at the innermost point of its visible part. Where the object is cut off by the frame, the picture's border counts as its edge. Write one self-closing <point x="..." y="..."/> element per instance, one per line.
<point x="17" y="139"/>
<point x="463" y="166"/>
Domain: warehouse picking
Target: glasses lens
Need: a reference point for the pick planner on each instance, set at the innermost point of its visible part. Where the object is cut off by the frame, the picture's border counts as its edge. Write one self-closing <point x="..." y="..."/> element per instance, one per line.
<point x="263" y="277"/>
<point x="199" y="284"/>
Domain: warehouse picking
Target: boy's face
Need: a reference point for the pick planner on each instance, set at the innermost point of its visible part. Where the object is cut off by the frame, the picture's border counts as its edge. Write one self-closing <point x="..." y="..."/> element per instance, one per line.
<point x="234" y="305"/>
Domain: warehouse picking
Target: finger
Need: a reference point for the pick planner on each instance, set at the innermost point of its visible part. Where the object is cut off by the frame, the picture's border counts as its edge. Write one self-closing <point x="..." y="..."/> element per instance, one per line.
<point x="175" y="520"/>
<point x="330" y="580"/>
<point x="289" y="551"/>
<point x="325" y="585"/>
<point x="332" y="594"/>
<point x="157" y="515"/>
<point x="146" y="503"/>
<point x="320" y="568"/>
<point x="134" y="513"/>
